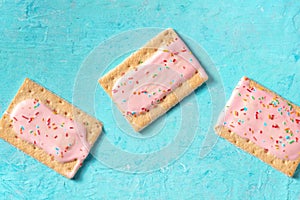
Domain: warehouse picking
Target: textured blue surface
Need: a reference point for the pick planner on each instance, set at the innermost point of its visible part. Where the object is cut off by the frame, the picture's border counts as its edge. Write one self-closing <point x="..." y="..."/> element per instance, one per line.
<point x="48" y="41"/>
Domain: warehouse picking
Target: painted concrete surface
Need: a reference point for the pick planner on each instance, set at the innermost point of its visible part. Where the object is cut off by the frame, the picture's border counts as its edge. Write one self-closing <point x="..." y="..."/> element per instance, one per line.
<point x="67" y="45"/>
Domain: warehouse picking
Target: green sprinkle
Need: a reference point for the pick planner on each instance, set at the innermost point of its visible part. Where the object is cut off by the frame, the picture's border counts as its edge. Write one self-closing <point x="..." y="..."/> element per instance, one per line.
<point x="291" y="107"/>
<point x="292" y="141"/>
<point x="37" y="105"/>
<point x="240" y="94"/>
<point x="253" y="97"/>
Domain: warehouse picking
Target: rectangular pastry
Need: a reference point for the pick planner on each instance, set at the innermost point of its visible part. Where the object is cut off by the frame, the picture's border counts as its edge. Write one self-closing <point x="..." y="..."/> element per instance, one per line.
<point x="49" y="129"/>
<point x="264" y="124"/>
<point x="153" y="79"/>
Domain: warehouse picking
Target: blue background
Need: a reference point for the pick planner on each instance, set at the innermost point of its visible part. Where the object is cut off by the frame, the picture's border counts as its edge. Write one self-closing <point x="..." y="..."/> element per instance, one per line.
<point x="48" y="41"/>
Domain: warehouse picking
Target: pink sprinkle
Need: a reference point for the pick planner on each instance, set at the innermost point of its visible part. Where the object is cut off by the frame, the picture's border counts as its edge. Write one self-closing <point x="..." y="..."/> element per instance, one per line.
<point x="271" y="117"/>
<point x="275" y="126"/>
<point x="25" y="117"/>
<point x="256" y="115"/>
<point x="236" y="113"/>
<point x="30" y="120"/>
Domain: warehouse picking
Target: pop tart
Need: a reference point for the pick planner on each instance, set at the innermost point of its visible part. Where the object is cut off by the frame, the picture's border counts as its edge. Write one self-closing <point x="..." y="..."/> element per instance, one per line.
<point x="264" y="124"/>
<point x="153" y="79"/>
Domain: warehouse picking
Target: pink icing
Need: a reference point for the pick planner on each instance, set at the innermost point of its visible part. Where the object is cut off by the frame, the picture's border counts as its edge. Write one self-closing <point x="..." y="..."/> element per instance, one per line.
<point x="265" y="119"/>
<point x="139" y="90"/>
<point x="61" y="137"/>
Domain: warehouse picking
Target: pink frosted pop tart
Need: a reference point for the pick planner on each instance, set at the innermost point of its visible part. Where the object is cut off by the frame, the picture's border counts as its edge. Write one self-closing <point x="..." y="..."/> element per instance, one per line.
<point x="153" y="79"/>
<point x="264" y="124"/>
<point x="49" y="129"/>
